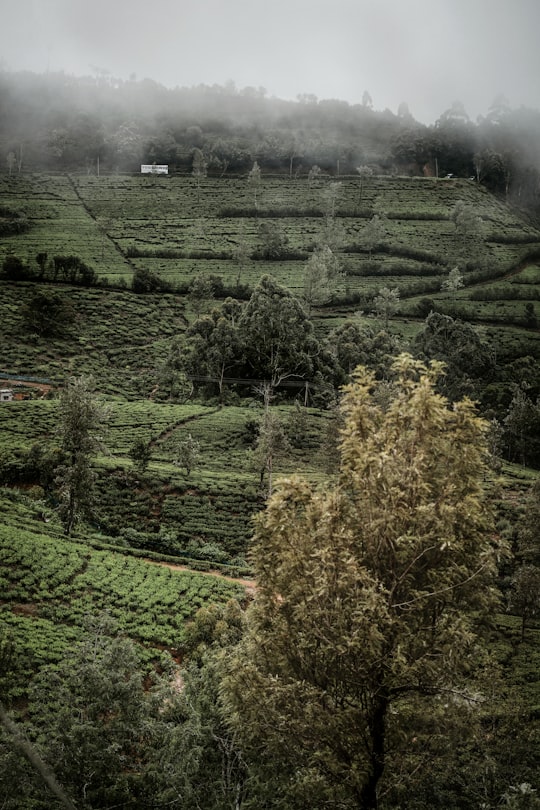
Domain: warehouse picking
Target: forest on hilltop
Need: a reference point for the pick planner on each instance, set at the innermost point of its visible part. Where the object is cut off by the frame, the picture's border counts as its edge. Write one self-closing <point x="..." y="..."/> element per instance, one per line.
<point x="61" y="122"/>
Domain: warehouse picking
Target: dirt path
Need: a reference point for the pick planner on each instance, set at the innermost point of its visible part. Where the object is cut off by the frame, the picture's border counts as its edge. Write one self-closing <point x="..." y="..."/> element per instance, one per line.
<point x="169" y="431"/>
<point x="44" y="388"/>
<point x="248" y="584"/>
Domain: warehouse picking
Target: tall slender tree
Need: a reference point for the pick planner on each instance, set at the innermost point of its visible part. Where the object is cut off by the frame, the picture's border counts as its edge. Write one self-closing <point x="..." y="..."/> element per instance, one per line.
<point x="320" y="274"/>
<point x="254" y="182"/>
<point x="199" y="169"/>
<point x="80" y="424"/>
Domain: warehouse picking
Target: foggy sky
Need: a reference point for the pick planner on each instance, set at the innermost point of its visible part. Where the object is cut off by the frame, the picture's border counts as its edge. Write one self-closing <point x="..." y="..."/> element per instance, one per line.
<point x="427" y="53"/>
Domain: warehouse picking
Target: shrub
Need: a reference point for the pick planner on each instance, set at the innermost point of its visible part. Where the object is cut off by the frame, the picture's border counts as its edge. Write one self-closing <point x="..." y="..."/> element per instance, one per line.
<point x="12" y="222"/>
<point x="145" y="281"/>
<point x="14" y="269"/>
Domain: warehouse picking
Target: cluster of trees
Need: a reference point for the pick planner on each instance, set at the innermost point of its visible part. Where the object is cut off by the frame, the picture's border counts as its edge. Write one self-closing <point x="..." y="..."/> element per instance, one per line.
<point x="121" y="124"/>
<point x="67" y="269"/>
<point x="271" y="338"/>
<point x="104" y="124"/>
<point x="360" y="676"/>
<point x="500" y="150"/>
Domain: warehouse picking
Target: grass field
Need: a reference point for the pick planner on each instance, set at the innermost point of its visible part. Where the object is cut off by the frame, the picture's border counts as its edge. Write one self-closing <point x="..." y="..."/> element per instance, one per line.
<point x="120" y="223"/>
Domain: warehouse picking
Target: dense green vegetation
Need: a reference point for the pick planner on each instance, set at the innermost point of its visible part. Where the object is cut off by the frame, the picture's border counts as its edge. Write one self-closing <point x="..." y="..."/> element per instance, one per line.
<point x="366" y="591"/>
<point x="181" y="343"/>
<point x="49" y="586"/>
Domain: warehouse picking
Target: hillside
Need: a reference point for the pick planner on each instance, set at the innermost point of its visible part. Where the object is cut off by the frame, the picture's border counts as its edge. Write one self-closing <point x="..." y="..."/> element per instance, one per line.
<point x="178" y="229"/>
<point x="398" y="233"/>
<point x="129" y="279"/>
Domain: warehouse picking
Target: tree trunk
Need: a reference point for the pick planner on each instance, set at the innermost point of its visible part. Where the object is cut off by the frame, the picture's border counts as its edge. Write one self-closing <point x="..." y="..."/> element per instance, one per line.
<point x="20" y="742"/>
<point x="377" y="724"/>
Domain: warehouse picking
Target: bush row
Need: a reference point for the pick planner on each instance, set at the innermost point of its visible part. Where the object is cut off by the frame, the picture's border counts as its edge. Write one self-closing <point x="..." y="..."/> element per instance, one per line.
<point x="510" y="293"/>
<point x="403" y="251"/>
<point x="12" y="222"/>
<point x="70" y="269"/>
<point x="373" y="268"/>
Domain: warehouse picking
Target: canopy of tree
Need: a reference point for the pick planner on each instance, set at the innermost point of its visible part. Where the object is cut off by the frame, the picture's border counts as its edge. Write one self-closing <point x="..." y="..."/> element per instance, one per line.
<point x="368" y="595"/>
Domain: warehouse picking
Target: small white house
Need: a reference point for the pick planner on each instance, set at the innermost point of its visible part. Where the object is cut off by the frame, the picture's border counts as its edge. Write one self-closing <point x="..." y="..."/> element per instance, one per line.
<point x="6" y="395"/>
<point x="154" y="168"/>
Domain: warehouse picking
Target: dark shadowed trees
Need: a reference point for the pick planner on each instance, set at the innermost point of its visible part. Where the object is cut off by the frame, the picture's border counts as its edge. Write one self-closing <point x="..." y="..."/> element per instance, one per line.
<point x="212" y="348"/>
<point x="93" y="718"/>
<point x="277" y="334"/>
<point x="524" y="597"/>
<point x="48" y="314"/>
<point x="354" y="345"/>
<point x="467" y="358"/>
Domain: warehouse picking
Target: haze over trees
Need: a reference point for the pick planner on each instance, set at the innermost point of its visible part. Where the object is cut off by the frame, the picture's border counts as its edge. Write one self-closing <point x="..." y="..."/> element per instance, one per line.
<point x="103" y="123"/>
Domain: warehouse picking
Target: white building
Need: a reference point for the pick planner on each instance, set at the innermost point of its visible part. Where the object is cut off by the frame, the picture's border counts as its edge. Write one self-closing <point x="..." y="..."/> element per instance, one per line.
<point x="154" y="168"/>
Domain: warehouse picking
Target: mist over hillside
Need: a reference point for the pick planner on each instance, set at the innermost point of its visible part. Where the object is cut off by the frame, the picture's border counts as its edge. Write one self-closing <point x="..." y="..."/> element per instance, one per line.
<point x="55" y="121"/>
<point x="258" y="549"/>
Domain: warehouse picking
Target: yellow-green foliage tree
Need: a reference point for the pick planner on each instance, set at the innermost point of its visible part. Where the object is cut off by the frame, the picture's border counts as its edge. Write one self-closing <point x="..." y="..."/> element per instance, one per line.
<point x="368" y="595"/>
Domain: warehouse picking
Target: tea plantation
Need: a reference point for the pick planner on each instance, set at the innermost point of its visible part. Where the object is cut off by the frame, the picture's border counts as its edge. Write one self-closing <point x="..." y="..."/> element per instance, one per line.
<point x="387" y="232"/>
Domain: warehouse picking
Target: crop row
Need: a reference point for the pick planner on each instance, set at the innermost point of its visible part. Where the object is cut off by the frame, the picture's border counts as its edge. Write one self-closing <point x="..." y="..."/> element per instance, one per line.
<point x="182" y="217"/>
<point x="177" y="195"/>
<point x="49" y="580"/>
<point x="120" y="338"/>
<point x="23" y="423"/>
<point x="145" y="420"/>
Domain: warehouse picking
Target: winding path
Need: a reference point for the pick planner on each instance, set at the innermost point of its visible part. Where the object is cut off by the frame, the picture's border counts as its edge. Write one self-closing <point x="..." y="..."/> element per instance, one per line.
<point x="248" y="584"/>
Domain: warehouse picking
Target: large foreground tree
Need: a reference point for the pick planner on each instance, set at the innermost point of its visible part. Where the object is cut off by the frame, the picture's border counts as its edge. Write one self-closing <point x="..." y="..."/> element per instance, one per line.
<point x="368" y="596"/>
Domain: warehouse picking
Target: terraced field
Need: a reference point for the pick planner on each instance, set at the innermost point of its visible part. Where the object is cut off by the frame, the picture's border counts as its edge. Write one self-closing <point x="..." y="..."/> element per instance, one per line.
<point x="176" y="513"/>
<point x="167" y="223"/>
<point x="118" y="224"/>
<point x="118" y="337"/>
<point x="50" y="587"/>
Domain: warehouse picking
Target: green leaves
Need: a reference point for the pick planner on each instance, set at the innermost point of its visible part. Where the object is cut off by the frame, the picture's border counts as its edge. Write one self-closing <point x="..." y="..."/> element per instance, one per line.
<point x="366" y="589"/>
<point x="277" y="334"/>
<point x="81" y="420"/>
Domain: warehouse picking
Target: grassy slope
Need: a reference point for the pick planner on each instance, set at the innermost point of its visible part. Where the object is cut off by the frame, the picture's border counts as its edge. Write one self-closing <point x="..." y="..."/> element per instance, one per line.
<point x="122" y="339"/>
<point x="100" y="219"/>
